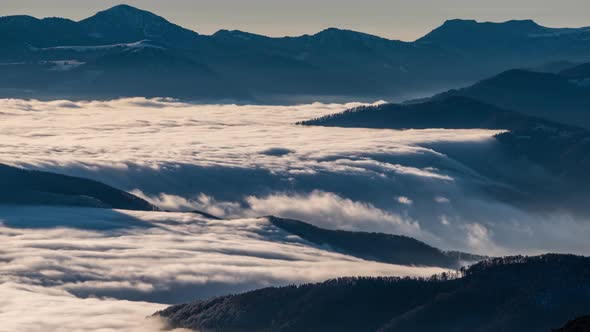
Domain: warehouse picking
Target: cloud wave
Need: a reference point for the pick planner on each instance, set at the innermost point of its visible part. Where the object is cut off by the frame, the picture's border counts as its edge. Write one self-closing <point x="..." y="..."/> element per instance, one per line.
<point x="222" y="158"/>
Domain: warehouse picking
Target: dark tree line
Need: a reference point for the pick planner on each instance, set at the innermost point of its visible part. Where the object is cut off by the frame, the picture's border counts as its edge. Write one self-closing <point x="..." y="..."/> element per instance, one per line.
<point x="500" y="294"/>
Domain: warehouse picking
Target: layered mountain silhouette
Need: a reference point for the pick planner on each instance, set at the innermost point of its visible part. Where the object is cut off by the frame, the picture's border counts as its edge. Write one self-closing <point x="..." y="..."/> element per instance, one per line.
<point x="558" y="153"/>
<point x="501" y="294"/>
<point x="28" y="187"/>
<point x="559" y="147"/>
<point x="579" y="73"/>
<point x="119" y="24"/>
<point x="562" y="97"/>
<point x="386" y="248"/>
<point x="449" y="112"/>
<point x="331" y="65"/>
<point x="124" y="23"/>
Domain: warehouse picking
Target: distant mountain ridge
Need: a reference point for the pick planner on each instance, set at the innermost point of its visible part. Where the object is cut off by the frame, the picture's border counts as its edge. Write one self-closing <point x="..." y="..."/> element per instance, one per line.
<point x="119" y="24"/>
<point x="332" y="65"/>
<point x="511" y="294"/>
<point x="577" y="73"/>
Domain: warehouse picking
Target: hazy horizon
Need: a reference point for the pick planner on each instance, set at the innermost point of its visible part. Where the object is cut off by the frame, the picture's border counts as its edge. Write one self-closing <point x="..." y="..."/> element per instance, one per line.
<point x="390" y="19"/>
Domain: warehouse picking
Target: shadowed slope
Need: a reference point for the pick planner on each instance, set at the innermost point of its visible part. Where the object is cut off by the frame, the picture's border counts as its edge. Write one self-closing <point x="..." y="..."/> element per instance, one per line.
<point x="387" y="248"/>
<point x="560" y="97"/>
<point x="450" y="113"/>
<point x="21" y="186"/>
<point x="504" y="294"/>
<point x="580" y="324"/>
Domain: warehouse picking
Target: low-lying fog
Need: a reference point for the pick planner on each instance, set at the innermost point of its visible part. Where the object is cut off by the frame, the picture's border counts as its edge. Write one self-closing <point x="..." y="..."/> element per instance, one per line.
<point x="238" y="162"/>
<point x="246" y="161"/>
<point x="151" y="257"/>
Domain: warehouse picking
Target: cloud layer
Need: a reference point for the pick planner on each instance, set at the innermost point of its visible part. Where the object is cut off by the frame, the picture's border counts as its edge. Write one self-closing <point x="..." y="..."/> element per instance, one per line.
<point x="243" y="160"/>
<point x="29" y="308"/>
<point x="163" y="134"/>
<point x="110" y="269"/>
<point x="82" y="278"/>
<point x="229" y="153"/>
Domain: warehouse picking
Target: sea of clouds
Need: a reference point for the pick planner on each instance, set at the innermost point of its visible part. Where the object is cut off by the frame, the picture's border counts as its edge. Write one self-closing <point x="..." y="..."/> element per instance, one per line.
<point x="83" y="269"/>
<point x="239" y="162"/>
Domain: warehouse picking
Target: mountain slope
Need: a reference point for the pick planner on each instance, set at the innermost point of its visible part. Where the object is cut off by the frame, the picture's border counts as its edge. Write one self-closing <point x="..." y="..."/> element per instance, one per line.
<point x="504" y="294"/>
<point x="557" y="97"/>
<point x="21" y="186"/>
<point x="119" y="24"/>
<point x="387" y="248"/>
<point x="560" y="152"/>
<point x="149" y="72"/>
<point x="580" y="324"/>
<point x="579" y="74"/>
<point x="450" y="113"/>
<point x="124" y="23"/>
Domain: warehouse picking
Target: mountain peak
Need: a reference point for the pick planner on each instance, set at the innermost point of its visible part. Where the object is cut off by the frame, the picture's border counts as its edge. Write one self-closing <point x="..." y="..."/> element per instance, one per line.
<point x="458" y="21"/>
<point x="331" y="30"/>
<point x="123" y="8"/>
<point x="335" y="34"/>
<point x="224" y="33"/>
<point x="469" y="22"/>
<point x="458" y="31"/>
<point x="125" y="12"/>
<point x="124" y="23"/>
<point x="524" y="22"/>
<point x="338" y="32"/>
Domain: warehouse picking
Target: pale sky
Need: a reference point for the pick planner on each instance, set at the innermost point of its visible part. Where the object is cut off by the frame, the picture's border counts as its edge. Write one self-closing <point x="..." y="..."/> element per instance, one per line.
<point x="396" y="19"/>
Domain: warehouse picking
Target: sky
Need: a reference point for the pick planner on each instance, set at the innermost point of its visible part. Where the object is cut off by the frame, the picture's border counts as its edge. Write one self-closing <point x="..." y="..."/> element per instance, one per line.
<point x="395" y="19"/>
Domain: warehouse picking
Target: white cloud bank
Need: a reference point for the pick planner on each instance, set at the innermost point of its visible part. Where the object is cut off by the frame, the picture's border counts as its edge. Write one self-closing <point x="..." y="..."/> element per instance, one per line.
<point x="29" y="308"/>
<point x="162" y="133"/>
<point x="239" y="162"/>
<point x="323" y="209"/>
<point x="233" y="155"/>
<point x="245" y="160"/>
<point x="51" y="276"/>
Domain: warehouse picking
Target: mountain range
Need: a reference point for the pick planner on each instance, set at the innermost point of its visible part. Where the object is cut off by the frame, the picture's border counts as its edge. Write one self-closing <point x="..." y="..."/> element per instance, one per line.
<point x="125" y="51"/>
<point x="502" y="294"/>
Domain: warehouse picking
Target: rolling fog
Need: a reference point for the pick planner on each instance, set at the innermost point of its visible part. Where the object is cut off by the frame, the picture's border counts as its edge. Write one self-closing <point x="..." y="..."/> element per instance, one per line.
<point x="248" y="161"/>
<point x="240" y="163"/>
